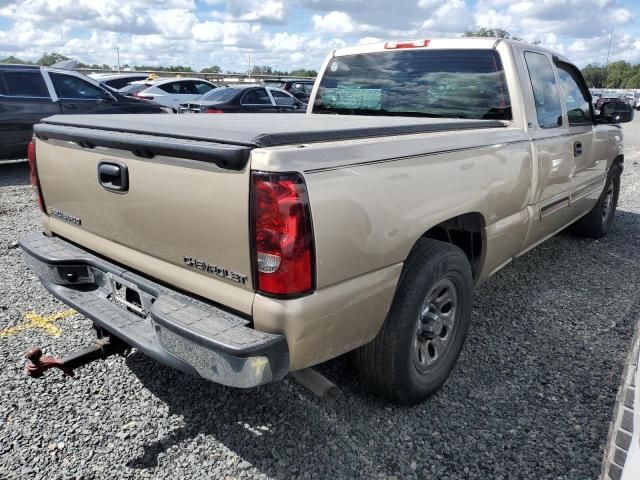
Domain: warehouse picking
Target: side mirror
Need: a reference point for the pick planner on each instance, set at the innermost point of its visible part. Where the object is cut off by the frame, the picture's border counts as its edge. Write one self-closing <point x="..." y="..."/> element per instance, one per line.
<point x="616" y="112"/>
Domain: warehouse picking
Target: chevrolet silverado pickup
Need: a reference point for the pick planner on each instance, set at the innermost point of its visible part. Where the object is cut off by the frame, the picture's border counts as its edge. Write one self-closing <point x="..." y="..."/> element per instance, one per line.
<point x="243" y="247"/>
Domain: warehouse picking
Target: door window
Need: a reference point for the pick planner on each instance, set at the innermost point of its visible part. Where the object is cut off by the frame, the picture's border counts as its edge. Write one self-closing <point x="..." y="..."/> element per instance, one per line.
<point x="257" y="96"/>
<point x="578" y="106"/>
<point x="545" y="90"/>
<point x="179" y="88"/>
<point x="68" y="86"/>
<point x="283" y="99"/>
<point x="23" y="84"/>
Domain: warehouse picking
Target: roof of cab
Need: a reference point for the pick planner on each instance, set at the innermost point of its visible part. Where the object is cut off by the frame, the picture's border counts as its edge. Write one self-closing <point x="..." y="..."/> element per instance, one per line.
<point x="470" y="43"/>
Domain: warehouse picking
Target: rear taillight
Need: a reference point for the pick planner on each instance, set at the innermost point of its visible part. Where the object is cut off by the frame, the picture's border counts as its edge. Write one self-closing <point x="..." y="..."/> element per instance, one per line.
<point x="213" y="110"/>
<point x="283" y="247"/>
<point x="33" y="173"/>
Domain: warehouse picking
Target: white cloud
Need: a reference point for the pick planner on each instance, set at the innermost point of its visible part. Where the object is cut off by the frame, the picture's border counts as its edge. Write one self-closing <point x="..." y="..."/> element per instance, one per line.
<point x="338" y="22"/>
<point x="264" y="11"/>
<point x="450" y="16"/>
<point x="174" y="22"/>
<point x="369" y="40"/>
<point x="289" y="34"/>
<point x="284" y="42"/>
<point x="620" y="16"/>
<point x="208" y="31"/>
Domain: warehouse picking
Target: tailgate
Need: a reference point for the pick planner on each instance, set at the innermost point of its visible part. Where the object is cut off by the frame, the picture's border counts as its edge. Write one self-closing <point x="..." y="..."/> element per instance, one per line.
<point x="181" y="221"/>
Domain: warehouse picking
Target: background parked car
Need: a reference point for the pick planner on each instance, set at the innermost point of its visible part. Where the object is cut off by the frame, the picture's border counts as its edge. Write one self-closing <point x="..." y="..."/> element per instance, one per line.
<point x="301" y="89"/>
<point x="609" y="97"/>
<point x="237" y="99"/>
<point x="30" y="93"/>
<point x="117" y="81"/>
<point x="170" y="92"/>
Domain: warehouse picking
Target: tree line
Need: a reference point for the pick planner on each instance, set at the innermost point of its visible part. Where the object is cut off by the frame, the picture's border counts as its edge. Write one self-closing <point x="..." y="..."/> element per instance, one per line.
<point x="49" y="59"/>
<point x="620" y="74"/>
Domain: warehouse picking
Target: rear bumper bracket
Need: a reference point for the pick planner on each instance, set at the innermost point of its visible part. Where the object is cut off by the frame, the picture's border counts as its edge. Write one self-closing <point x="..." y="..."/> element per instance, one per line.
<point x="178" y="330"/>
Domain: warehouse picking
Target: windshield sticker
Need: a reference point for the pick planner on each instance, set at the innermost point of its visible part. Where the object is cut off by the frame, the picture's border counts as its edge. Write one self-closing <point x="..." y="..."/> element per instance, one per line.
<point x="350" y="97"/>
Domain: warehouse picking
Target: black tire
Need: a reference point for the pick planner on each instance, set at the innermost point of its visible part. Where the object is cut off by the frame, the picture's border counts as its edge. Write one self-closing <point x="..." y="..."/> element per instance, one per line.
<point x="597" y="223"/>
<point x="398" y="363"/>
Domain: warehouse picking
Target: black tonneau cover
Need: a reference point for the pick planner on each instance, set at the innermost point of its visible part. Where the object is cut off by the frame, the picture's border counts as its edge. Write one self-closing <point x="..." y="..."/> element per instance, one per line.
<point x="227" y="139"/>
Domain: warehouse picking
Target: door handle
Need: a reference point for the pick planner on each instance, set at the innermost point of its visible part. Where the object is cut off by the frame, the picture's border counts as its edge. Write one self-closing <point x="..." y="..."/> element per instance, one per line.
<point x="71" y="106"/>
<point x="113" y="176"/>
<point x="577" y="149"/>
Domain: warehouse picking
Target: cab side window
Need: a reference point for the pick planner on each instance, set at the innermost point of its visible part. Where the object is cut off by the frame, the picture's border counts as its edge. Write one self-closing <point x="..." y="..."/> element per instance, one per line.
<point x="545" y="90"/>
<point x="23" y="84"/>
<point x="578" y="109"/>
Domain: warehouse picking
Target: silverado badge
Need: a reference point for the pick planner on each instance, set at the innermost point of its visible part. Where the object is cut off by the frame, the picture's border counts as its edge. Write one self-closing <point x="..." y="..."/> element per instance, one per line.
<point x="67" y="217"/>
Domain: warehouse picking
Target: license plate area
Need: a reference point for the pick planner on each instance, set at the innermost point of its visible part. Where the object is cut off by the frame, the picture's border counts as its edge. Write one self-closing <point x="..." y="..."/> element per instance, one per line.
<point x="126" y="295"/>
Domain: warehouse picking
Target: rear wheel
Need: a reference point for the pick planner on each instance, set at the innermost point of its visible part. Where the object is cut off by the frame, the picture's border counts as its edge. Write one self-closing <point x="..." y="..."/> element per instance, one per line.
<point x="419" y="343"/>
<point x="597" y="222"/>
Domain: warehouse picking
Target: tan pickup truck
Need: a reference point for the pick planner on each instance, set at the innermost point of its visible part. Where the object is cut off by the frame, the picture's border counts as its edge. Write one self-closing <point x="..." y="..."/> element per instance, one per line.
<point x="244" y="247"/>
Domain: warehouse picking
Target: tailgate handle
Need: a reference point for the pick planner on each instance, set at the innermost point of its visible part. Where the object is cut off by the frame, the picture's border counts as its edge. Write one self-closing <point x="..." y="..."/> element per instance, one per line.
<point x="113" y="176"/>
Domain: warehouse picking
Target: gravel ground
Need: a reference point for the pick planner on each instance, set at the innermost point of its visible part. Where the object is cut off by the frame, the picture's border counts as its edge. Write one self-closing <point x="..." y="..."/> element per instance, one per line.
<point x="531" y="397"/>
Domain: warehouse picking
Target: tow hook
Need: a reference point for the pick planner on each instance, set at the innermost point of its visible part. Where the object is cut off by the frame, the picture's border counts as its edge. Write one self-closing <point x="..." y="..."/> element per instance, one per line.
<point x="103" y="347"/>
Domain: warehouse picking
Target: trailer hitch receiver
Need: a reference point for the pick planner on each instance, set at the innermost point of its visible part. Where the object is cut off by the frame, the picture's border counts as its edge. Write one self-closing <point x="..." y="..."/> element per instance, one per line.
<point x="104" y="347"/>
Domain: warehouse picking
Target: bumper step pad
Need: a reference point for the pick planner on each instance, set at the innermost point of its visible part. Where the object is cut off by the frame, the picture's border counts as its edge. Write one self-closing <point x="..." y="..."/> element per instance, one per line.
<point x="181" y="331"/>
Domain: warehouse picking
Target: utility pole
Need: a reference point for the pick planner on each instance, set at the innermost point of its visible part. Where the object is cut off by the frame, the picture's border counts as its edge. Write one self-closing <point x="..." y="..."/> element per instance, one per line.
<point x="606" y="64"/>
<point x="249" y="68"/>
<point x="118" y="54"/>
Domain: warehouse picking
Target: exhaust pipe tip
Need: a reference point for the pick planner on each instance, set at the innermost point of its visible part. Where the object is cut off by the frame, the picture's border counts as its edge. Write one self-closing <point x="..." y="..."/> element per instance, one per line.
<point x="317" y="383"/>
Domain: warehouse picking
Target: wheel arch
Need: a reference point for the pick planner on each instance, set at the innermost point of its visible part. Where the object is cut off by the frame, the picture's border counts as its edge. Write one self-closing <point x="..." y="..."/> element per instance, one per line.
<point x="466" y="231"/>
<point x="619" y="161"/>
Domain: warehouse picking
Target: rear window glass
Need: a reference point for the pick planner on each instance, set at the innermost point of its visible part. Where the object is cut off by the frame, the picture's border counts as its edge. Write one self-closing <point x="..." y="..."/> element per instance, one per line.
<point x="302" y="87"/>
<point x="430" y="83"/>
<point x="282" y="98"/>
<point x="133" y="88"/>
<point x="23" y="84"/>
<point x="222" y="94"/>
<point x="257" y="96"/>
<point x="120" y="82"/>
